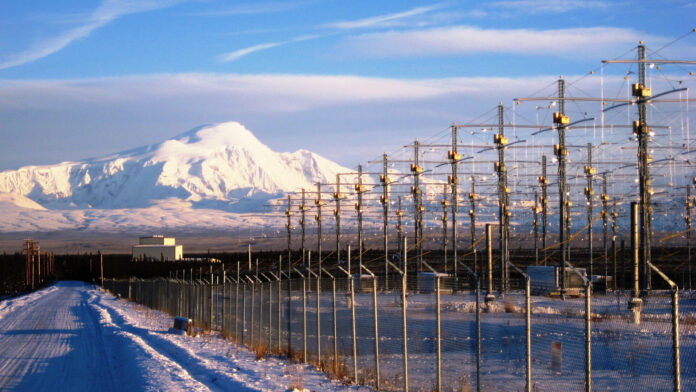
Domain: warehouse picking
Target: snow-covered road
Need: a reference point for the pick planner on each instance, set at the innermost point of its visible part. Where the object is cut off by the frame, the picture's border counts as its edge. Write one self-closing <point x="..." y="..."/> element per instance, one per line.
<point x="71" y="337"/>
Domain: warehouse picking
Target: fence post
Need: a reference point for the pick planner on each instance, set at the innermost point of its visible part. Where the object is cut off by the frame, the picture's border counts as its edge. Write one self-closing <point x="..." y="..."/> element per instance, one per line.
<point x="355" y="343"/>
<point x="675" y="340"/>
<point x="376" y="326"/>
<point x="318" y="317"/>
<point x="528" y="328"/>
<point x="212" y="297"/>
<point x="243" y="310"/>
<point x="304" y="319"/>
<point x="260" y="326"/>
<point x="438" y="338"/>
<point x="404" y="305"/>
<point x="270" y="314"/>
<point x="279" y="312"/>
<point x="224" y="276"/>
<point x="588" y="337"/>
<point x="251" y="320"/>
<point x="478" y="329"/>
<point x="335" y="329"/>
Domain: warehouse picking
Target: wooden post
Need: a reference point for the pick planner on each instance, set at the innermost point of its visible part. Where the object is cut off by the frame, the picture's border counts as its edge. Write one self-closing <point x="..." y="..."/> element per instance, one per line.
<point x="101" y="266"/>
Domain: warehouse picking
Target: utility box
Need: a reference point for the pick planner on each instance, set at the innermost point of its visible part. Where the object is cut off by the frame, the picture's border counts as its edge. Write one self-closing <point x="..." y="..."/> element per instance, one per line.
<point x="182" y="326"/>
<point x="362" y="283"/>
<point x="545" y="280"/>
<point x="426" y="282"/>
<point x="601" y="283"/>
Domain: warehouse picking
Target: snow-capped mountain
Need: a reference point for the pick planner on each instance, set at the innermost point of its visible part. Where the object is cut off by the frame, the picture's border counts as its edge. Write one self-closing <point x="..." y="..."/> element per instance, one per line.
<point x="221" y="166"/>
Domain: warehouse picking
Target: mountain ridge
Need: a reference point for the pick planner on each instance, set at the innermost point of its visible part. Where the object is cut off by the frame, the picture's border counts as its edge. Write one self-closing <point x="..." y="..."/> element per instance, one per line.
<point x="214" y="165"/>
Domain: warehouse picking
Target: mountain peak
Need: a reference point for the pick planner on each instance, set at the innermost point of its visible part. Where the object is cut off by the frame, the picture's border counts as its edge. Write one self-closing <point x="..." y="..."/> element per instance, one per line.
<point x="212" y="166"/>
<point x="205" y="140"/>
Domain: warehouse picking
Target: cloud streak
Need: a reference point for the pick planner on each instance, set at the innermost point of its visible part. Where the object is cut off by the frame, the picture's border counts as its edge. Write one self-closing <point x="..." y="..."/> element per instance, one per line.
<point x="254" y="8"/>
<point x="458" y="40"/>
<point x="556" y="6"/>
<point x="375" y="21"/>
<point x="237" y="54"/>
<point x="107" y="12"/>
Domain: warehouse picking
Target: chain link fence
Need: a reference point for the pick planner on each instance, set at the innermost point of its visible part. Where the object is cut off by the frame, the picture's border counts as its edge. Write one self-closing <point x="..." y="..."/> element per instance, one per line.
<point x="422" y="335"/>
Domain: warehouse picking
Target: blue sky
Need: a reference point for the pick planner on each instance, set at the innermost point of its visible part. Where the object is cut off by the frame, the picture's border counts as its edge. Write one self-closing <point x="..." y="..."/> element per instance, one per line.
<point x="80" y="79"/>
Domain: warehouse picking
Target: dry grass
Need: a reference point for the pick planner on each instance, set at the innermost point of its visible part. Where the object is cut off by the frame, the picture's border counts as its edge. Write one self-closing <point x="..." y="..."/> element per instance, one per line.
<point x="296" y="374"/>
<point x="509" y="306"/>
<point x="260" y="350"/>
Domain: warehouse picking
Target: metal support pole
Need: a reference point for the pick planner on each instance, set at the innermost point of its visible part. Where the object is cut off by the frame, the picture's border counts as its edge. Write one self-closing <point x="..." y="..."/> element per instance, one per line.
<point x="635" y="304"/>
<point x="676" y="366"/>
<point x="588" y="337"/>
<point x="384" y="200"/>
<point x="236" y="305"/>
<point x="319" y="319"/>
<point x="404" y="305"/>
<point x="589" y="194"/>
<point x="560" y="120"/>
<point x="304" y="320"/>
<point x="642" y="132"/>
<point x="335" y="324"/>
<point x="289" y="308"/>
<point x="454" y="158"/>
<point x="445" y="204"/>
<point x="224" y="278"/>
<point x="352" y="310"/>
<point x="319" y="203"/>
<point x="278" y="332"/>
<point x="376" y="327"/>
<point x="359" y="208"/>
<point x="243" y="311"/>
<point x="212" y="297"/>
<point x="337" y="214"/>
<point x="503" y="199"/>
<point x="528" y="334"/>
<point x="687" y="219"/>
<point x="399" y="226"/>
<point x="489" y="252"/>
<point x="543" y="180"/>
<point x="439" y="333"/>
<point x="260" y="326"/>
<point x="253" y="300"/>
<point x="535" y="210"/>
<point x="303" y="210"/>
<point x="418" y="208"/>
<point x="472" y="218"/>
<point x="478" y="332"/>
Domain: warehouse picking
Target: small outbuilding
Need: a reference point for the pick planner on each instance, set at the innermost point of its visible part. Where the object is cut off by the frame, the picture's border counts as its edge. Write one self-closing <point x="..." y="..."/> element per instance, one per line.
<point x="158" y="247"/>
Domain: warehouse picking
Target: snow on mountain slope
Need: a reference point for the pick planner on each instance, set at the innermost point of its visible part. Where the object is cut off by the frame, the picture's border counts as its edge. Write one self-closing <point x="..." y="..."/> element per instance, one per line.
<point x="213" y="166"/>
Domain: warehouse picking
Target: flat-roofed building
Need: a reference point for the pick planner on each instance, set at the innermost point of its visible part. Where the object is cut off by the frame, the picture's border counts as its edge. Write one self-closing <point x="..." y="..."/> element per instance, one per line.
<point x="158" y="247"/>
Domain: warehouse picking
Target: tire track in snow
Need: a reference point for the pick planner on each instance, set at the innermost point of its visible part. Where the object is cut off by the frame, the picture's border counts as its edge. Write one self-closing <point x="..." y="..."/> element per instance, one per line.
<point x="166" y="368"/>
<point x="46" y="343"/>
<point x="196" y="367"/>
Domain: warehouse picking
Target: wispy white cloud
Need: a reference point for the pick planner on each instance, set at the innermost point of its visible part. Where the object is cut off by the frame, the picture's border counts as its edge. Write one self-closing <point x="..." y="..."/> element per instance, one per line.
<point x="237" y="54"/>
<point x="557" y="6"/>
<point x="254" y="8"/>
<point x="459" y="40"/>
<point x="380" y="19"/>
<point x="105" y="13"/>
<point x="90" y="117"/>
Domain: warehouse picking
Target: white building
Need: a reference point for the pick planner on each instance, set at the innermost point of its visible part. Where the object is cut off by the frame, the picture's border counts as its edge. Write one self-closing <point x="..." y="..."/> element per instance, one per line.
<point x="157" y="247"/>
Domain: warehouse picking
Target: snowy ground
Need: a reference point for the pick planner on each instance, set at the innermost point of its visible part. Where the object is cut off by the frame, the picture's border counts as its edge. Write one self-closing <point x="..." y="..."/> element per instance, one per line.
<point x="71" y="336"/>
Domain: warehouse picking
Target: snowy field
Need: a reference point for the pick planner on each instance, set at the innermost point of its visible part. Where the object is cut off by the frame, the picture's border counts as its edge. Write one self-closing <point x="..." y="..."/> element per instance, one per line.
<point x="73" y="337"/>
